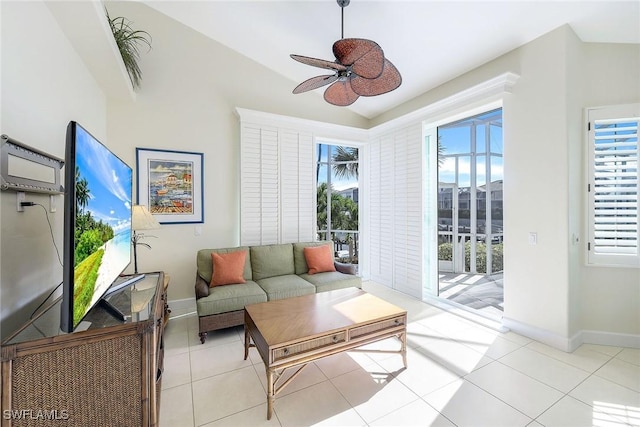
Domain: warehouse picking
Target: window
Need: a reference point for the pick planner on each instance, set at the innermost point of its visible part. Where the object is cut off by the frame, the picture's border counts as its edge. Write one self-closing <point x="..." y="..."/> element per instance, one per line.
<point x="337" y="199"/>
<point x="277" y="186"/>
<point x="613" y="186"/>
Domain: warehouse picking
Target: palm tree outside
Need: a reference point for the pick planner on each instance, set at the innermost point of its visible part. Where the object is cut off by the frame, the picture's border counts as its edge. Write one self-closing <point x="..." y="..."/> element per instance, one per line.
<point x="337" y="198"/>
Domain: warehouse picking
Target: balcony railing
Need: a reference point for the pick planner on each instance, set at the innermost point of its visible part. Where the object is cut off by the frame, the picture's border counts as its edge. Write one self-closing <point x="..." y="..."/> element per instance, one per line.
<point x="469" y="254"/>
<point x="345" y="244"/>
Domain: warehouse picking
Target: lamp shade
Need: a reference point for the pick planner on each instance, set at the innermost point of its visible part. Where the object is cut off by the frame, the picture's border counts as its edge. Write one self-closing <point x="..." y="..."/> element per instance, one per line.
<point x="141" y="219"/>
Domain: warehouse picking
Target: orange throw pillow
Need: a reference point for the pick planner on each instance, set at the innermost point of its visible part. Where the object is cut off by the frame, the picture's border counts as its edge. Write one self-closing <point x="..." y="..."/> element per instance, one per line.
<point x="319" y="259"/>
<point x="228" y="268"/>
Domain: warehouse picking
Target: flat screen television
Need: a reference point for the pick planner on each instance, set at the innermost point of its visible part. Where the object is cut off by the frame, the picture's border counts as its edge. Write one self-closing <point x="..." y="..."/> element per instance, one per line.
<point x="97" y="223"/>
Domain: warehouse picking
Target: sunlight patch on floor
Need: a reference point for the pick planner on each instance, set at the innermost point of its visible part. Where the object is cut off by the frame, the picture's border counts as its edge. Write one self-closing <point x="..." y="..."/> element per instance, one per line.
<point x="452" y="291"/>
<point x="473" y="279"/>
<point x="627" y="414"/>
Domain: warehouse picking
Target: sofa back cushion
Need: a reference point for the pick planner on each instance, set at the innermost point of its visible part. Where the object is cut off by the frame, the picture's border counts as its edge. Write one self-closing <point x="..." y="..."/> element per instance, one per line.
<point x="204" y="262"/>
<point x="298" y="254"/>
<point x="271" y="260"/>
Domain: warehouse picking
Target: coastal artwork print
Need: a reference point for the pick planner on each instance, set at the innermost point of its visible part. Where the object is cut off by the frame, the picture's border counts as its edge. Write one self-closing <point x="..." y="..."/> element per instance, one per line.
<point x="170" y="185"/>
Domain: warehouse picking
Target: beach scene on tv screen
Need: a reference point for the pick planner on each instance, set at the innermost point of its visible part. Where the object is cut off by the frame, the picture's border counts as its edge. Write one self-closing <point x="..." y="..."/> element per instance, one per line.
<point x="103" y="222"/>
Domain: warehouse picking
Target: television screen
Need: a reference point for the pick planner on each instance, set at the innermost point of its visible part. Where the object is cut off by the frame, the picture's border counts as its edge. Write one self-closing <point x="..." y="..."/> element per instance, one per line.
<point x="97" y="223"/>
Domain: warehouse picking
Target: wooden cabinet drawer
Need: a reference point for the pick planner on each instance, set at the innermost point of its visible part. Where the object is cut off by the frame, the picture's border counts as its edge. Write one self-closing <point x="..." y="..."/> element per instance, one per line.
<point x="377" y="327"/>
<point x="308" y="346"/>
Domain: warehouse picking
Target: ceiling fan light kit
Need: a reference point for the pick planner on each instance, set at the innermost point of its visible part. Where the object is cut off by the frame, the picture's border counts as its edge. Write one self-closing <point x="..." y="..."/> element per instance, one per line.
<point x="360" y="69"/>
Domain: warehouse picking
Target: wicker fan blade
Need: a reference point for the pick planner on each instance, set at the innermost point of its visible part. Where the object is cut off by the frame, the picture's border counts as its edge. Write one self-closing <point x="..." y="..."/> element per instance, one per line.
<point x="340" y="94"/>
<point x="353" y="51"/>
<point x="389" y="80"/>
<point x="315" y="83"/>
<point x="369" y="65"/>
<point x="320" y="63"/>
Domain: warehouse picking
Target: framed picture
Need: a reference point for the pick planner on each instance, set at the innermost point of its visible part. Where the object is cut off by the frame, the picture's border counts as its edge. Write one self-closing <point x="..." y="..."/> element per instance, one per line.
<point x="170" y="184"/>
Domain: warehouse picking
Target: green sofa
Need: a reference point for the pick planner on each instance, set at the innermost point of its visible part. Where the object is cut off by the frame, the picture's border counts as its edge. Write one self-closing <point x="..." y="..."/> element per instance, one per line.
<point x="271" y="272"/>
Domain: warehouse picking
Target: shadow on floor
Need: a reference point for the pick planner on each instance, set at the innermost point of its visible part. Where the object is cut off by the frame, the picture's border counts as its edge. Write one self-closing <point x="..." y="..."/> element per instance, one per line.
<point x="477" y="291"/>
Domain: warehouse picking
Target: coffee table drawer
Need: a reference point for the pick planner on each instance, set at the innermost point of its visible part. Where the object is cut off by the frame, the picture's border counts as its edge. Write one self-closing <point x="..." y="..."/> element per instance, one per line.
<point x="376" y="327"/>
<point x="307" y="346"/>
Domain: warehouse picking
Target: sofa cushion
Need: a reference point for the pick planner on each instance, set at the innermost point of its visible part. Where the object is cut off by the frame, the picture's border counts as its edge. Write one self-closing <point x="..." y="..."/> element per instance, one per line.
<point x="228" y="268"/>
<point x="271" y="260"/>
<point x="227" y="298"/>
<point x="205" y="266"/>
<point x="287" y="286"/>
<point x="300" y="261"/>
<point x="319" y="259"/>
<point x="332" y="280"/>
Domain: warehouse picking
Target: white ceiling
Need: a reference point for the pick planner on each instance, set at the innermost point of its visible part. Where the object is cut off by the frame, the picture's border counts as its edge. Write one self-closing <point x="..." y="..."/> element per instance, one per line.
<point x="429" y="41"/>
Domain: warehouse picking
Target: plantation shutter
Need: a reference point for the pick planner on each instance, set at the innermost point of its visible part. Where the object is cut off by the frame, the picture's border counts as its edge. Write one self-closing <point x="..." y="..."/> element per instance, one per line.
<point x="276" y="185"/>
<point x="259" y="220"/>
<point x="395" y="210"/>
<point x="614" y="235"/>
<point x="381" y="211"/>
<point x="408" y="211"/>
<point x="297" y="190"/>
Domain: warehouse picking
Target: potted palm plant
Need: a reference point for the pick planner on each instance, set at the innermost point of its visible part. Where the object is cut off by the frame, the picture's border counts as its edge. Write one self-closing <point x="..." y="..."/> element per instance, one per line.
<point x="129" y="41"/>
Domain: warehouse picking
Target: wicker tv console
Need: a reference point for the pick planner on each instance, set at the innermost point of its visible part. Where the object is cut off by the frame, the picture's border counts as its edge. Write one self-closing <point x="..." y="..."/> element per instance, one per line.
<point x="107" y="375"/>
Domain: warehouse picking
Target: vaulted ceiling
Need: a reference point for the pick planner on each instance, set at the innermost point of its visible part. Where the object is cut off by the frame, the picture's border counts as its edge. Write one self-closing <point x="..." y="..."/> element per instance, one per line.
<point x="429" y="41"/>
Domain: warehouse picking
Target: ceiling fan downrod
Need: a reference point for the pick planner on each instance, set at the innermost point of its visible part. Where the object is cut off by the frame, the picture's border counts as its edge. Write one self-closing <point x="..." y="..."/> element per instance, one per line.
<point x="342" y="4"/>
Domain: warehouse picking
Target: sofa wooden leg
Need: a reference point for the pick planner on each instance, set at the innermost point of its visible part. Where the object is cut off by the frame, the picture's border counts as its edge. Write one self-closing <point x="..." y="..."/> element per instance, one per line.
<point x="203" y="337"/>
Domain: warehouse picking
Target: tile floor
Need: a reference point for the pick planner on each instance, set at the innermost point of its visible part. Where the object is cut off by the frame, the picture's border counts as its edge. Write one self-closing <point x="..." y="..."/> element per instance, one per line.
<point x="459" y="374"/>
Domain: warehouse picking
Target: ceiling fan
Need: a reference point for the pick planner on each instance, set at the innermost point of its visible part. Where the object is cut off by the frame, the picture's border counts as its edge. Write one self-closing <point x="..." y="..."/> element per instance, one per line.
<point x="360" y="69"/>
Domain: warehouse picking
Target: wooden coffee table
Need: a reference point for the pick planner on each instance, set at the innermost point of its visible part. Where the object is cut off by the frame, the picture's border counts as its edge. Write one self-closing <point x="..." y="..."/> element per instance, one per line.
<point x="295" y="331"/>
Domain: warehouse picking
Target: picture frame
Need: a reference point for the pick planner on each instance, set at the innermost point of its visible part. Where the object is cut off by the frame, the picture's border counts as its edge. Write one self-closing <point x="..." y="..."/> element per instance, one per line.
<point x="170" y="185"/>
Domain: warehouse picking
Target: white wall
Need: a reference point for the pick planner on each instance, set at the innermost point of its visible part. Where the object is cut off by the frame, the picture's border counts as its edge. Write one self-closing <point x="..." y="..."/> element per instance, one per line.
<point x="44" y="84"/>
<point x="191" y="86"/>
<point x="187" y="102"/>
<point x="549" y="294"/>
<point x="610" y="297"/>
<point x="536" y="278"/>
<point x="576" y="84"/>
<point x="535" y="188"/>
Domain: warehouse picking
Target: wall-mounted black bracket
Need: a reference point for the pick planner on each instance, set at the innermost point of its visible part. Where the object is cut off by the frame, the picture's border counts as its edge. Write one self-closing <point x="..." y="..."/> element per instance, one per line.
<point x="23" y="168"/>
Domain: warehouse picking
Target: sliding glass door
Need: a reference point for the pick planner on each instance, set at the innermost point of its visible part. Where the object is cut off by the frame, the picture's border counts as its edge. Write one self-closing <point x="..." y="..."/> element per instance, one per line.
<point x="470" y="212"/>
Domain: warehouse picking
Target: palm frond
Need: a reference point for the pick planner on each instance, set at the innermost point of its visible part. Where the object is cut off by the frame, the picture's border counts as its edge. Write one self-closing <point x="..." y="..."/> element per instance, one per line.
<point x="129" y="41"/>
<point x="441" y="152"/>
<point x="348" y="155"/>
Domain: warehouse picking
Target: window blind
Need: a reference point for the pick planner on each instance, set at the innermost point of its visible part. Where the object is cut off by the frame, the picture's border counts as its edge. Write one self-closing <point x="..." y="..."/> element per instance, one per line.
<point x="614" y="235"/>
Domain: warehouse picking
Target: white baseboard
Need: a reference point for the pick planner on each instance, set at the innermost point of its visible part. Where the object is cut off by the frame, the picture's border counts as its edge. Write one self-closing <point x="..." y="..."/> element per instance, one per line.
<point x="569" y="344"/>
<point x="611" y="338"/>
<point x="538" y="334"/>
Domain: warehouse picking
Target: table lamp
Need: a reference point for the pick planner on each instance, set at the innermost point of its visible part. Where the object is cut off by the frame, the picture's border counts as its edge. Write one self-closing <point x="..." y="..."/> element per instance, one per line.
<point x="141" y="219"/>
